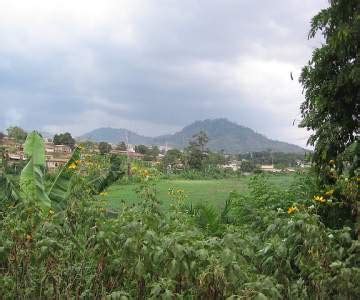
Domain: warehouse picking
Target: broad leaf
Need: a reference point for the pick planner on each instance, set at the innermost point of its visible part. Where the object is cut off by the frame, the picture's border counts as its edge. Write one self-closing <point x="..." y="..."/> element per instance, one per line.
<point x="60" y="189"/>
<point x="31" y="178"/>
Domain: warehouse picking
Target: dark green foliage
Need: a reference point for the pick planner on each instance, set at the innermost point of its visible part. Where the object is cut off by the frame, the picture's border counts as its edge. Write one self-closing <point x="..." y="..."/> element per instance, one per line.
<point x="331" y="82"/>
<point x="99" y="181"/>
<point x="61" y="186"/>
<point x="269" y="157"/>
<point x="104" y="147"/>
<point x="173" y="158"/>
<point x="331" y="108"/>
<point x="247" y="166"/>
<point x="30" y="189"/>
<point x="121" y="146"/>
<point x="141" y="149"/>
<point x="17" y="133"/>
<point x="150" y="153"/>
<point x="141" y="252"/>
<point x="64" y="139"/>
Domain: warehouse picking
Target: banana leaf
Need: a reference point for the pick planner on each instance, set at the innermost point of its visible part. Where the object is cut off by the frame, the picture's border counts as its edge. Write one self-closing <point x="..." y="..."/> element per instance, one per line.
<point x="60" y="189"/>
<point x="32" y="176"/>
<point x="11" y="191"/>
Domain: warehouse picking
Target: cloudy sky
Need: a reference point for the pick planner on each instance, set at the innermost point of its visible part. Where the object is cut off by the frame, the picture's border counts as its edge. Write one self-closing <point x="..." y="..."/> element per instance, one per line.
<point x="153" y="66"/>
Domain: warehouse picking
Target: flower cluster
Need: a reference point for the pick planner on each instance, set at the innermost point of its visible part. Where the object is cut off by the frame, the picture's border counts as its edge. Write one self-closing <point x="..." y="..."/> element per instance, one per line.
<point x="319" y="199"/>
<point x="74" y="164"/>
<point x="292" y="209"/>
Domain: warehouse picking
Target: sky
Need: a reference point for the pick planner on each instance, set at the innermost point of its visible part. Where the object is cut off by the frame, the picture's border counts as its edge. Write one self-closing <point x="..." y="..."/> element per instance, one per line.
<point x="154" y="66"/>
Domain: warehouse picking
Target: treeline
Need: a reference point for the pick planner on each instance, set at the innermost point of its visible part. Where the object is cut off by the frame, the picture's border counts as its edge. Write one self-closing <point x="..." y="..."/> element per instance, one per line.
<point x="278" y="159"/>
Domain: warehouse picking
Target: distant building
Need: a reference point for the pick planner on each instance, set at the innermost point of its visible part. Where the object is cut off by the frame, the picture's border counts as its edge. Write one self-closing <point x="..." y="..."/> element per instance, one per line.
<point x="16" y="156"/>
<point x="233" y="165"/>
<point x="54" y="163"/>
<point x="269" y="168"/>
<point x="51" y="148"/>
<point x="165" y="148"/>
<point x="62" y="149"/>
<point x="127" y="153"/>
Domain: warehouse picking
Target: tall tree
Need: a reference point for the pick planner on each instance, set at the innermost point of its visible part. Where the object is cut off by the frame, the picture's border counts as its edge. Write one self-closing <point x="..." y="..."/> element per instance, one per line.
<point x="121" y="146"/>
<point x="141" y="149"/>
<point x="104" y="147"/>
<point x="17" y="133"/>
<point x="201" y="139"/>
<point x="64" y="139"/>
<point x="331" y="82"/>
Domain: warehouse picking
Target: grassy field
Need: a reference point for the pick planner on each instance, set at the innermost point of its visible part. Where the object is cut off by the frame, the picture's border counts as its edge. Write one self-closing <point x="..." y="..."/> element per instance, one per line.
<point x="213" y="192"/>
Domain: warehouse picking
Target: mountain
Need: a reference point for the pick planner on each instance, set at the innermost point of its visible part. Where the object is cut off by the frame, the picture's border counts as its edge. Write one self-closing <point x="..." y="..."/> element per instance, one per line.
<point x="115" y="136"/>
<point x="223" y="135"/>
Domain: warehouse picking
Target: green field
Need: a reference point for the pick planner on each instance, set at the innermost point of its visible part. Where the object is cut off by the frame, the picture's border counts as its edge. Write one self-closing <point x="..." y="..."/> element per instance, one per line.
<point x="213" y="192"/>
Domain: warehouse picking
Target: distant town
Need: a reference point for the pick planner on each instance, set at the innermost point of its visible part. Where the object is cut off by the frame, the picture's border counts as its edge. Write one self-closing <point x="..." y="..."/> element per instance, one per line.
<point x="58" y="151"/>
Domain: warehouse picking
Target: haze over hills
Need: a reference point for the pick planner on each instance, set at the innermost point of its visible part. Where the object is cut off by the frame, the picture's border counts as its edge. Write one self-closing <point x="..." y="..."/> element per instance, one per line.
<point x="223" y="135"/>
<point x="115" y="136"/>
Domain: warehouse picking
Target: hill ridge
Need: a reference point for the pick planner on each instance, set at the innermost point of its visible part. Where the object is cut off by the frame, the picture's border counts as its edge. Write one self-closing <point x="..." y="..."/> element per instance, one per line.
<point x="223" y="135"/>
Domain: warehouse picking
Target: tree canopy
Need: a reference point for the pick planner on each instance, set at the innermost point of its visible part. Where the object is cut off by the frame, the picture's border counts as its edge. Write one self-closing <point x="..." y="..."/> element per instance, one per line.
<point x="121" y="146"/>
<point x="64" y="139"/>
<point x="17" y="133"/>
<point x="104" y="147"/>
<point x="331" y="82"/>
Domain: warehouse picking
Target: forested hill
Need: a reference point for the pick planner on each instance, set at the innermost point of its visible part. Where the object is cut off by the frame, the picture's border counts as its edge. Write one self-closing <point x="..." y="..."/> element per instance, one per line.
<point x="223" y="135"/>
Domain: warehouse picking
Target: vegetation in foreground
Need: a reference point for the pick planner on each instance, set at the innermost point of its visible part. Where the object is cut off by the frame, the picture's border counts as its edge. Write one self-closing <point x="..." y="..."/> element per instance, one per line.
<point x="267" y="243"/>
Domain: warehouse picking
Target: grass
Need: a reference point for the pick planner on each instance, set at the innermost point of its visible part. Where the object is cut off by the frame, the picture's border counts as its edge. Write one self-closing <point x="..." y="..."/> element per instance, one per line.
<point x="213" y="192"/>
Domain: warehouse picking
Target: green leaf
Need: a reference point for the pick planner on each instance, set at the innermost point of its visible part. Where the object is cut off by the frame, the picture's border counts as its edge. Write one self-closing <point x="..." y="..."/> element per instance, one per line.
<point x="31" y="178"/>
<point x="34" y="149"/>
<point x="60" y="189"/>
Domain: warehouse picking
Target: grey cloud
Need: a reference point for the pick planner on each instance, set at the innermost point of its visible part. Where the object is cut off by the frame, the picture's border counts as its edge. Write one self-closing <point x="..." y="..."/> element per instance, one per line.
<point x="180" y="64"/>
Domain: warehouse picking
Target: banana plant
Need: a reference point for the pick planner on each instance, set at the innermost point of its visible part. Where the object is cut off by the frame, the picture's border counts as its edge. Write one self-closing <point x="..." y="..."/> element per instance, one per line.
<point x="32" y="186"/>
<point x="60" y="189"/>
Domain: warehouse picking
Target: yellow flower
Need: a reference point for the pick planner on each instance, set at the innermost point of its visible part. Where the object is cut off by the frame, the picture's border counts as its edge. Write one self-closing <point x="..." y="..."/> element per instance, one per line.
<point x="292" y="209"/>
<point x="28" y="237"/>
<point x="51" y="212"/>
<point x="103" y="193"/>
<point x="145" y="173"/>
<point x="319" y="199"/>
<point x="72" y="166"/>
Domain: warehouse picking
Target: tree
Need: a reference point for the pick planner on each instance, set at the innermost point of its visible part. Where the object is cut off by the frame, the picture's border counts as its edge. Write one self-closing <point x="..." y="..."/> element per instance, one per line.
<point x="141" y="149"/>
<point x="196" y="151"/>
<point x="64" y="139"/>
<point x="121" y="146"/>
<point x="171" y="158"/>
<point x="17" y="133"/>
<point x="104" y="147"/>
<point x="201" y="139"/>
<point x="331" y="82"/>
